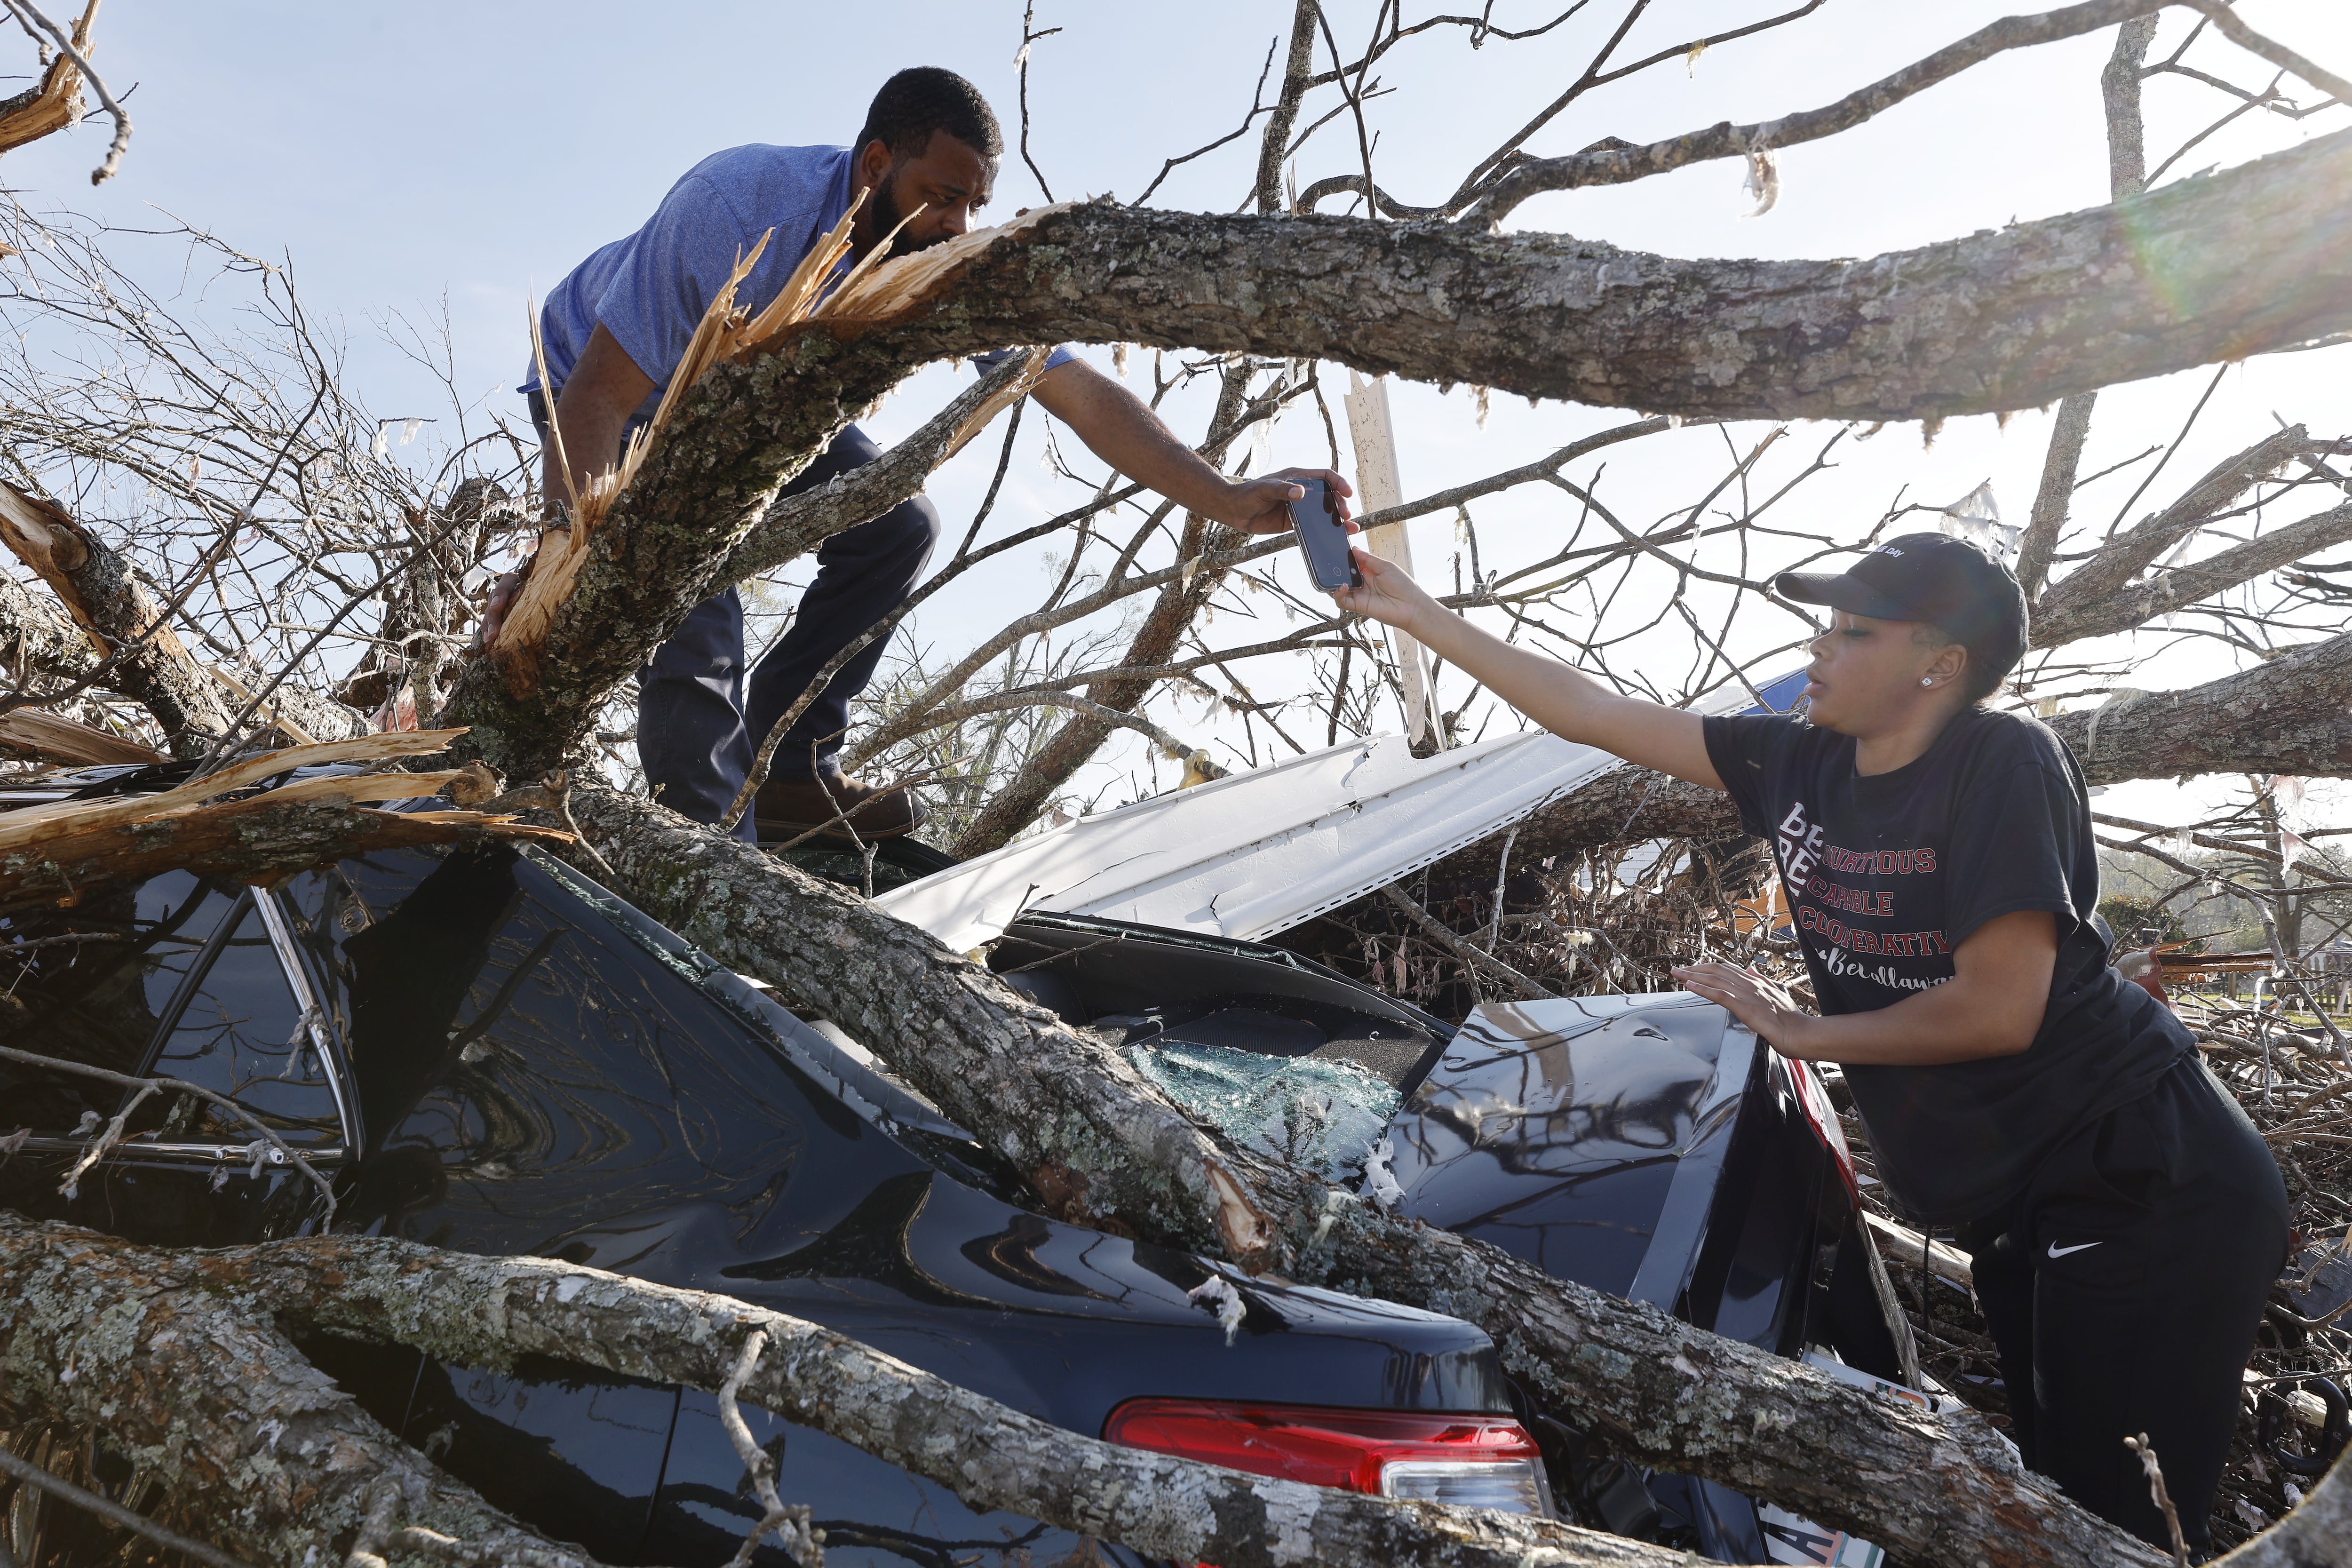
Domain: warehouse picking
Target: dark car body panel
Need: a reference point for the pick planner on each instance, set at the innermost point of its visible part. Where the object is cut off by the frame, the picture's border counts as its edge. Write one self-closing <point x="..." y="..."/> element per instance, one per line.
<point x="489" y="1053"/>
<point x="535" y="1068"/>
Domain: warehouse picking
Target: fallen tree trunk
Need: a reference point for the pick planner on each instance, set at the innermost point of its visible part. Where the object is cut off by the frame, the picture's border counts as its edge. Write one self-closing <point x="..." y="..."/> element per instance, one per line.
<point x="485" y="1311"/>
<point x="1999" y="320"/>
<point x="256" y="1448"/>
<point x="2291" y="715"/>
<point x="1101" y="1145"/>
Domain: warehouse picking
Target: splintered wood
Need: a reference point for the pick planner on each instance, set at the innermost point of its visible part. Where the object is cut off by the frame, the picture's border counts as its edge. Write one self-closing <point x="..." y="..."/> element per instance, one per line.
<point x="874" y="292"/>
<point x="59" y="854"/>
<point x="52" y="105"/>
<point x="46" y="735"/>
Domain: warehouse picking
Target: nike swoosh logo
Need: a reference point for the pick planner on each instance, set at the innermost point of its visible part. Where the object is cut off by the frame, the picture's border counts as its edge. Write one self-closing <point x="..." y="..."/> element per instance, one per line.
<point x="2058" y="1251"/>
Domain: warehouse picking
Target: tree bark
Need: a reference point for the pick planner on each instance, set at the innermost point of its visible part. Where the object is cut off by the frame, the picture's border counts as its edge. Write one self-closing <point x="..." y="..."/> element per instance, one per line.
<point x="483" y="1311"/>
<point x="108" y="599"/>
<point x="2004" y="319"/>
<point x="1999" y="320"/>
<point x="2291" y="715"/>
<point x="2087" y="590"/>
<point x="37" y="638"/>
<point x="2119" y="94"/>
<point x="1102" y="1146"/>
<point x="256" y="1448"/>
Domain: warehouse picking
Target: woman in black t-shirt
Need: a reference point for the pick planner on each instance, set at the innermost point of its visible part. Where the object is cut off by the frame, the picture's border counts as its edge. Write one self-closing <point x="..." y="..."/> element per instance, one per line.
<point x="2125" y="1219"/>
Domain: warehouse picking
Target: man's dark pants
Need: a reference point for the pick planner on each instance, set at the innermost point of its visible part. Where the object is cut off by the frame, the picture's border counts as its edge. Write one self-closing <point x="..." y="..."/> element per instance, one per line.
<point x="696" y="735"/>
<point x="2123" y="1289"/>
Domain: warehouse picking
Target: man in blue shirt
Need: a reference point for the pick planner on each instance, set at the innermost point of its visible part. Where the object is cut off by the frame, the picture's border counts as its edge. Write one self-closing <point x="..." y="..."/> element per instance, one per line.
<point x="614" y="331"/>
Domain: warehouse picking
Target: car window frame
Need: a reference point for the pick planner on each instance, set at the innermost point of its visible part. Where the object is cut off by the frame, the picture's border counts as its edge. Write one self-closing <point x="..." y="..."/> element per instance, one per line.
<point x="298" y="983"/>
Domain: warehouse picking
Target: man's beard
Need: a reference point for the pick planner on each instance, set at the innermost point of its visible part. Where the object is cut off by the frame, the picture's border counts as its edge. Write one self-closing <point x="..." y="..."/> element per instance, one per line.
<point x="887" y="217"/>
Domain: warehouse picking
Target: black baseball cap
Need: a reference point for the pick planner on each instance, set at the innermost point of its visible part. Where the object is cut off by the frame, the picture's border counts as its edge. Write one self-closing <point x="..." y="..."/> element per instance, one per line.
<point x="1932" y="577"/>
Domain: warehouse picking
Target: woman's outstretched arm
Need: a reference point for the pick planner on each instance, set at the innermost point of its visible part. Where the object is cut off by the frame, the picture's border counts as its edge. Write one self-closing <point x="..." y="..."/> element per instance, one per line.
<point x="1562" y="698"/>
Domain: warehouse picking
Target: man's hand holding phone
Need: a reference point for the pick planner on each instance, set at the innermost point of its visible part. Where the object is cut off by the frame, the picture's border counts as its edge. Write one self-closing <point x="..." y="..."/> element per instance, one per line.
<point x="1263" y="505"/>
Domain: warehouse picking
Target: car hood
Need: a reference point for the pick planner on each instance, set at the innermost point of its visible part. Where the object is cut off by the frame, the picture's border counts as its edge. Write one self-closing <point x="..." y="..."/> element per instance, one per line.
<point x="1259" y="852"/>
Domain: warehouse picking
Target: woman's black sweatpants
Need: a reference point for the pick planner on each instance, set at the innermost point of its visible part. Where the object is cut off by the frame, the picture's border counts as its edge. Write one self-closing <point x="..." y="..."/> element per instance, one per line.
<point x="2123" y="1289"/>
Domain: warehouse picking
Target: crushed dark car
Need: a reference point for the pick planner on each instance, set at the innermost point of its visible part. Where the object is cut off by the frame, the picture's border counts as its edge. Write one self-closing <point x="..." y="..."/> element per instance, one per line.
<point x="491" y="1053"/>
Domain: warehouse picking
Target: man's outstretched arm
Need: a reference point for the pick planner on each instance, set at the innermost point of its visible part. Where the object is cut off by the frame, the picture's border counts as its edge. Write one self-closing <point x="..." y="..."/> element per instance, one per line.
<point x="1120" y="430"/>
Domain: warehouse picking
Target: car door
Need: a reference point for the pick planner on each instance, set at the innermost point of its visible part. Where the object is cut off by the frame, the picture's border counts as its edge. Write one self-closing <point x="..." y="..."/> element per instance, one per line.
<point x="182" y="978"/>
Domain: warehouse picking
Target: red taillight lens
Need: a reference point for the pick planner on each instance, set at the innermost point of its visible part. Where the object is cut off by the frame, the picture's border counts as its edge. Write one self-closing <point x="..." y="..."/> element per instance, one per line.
<point x="1478" y="1461"/>
<point x="1815" y="1099"/>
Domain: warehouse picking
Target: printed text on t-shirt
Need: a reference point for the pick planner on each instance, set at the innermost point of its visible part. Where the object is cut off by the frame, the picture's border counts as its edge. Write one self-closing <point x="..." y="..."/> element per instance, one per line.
<point x="1815" y="898"/>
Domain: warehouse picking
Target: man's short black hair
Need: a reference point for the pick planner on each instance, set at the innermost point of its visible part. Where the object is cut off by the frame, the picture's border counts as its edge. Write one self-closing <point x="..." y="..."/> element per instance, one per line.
<point x="924" y="98"/>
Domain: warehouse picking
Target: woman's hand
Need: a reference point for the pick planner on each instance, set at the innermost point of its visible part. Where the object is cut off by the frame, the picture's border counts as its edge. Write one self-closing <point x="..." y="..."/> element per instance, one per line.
<point x="1389" y="596"/>
<point x="1755" y="1001"/>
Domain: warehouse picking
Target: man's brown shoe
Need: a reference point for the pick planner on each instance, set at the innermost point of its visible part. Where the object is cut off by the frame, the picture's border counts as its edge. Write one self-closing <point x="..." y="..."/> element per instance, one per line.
<point x="786" y="808"/>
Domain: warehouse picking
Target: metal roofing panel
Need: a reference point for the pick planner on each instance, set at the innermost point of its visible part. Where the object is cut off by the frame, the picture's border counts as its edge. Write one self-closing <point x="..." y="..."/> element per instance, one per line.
<point x="1257" y="853"/>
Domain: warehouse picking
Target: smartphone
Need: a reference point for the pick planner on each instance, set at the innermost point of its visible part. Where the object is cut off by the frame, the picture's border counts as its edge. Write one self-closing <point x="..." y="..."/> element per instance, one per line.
<point x="1323" y="537"/>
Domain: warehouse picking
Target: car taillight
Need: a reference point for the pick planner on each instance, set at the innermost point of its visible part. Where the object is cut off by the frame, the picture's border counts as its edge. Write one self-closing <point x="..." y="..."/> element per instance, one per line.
<point x="1476" y="1461"/>
<point x="1815" y="1097"/>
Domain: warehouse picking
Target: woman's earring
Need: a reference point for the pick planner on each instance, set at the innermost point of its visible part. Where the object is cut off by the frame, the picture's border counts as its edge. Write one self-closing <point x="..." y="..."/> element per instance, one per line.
<point x="1927" y="680"/>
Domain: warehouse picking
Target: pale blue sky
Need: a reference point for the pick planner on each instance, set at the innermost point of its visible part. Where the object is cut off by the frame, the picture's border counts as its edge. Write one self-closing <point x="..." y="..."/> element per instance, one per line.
<point x="402" y="154"/>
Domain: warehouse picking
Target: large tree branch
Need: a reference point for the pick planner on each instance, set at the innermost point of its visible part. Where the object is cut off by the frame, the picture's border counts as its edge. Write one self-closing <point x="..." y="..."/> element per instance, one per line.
<point x="112" y="604"/>
<point x="2006" y="320"/>
<point x="476" y="1311"/>
<point x="2068" y="617"/>
<point x="1100" y="1144"/>
<point x="254" y="1446"/>
<point x="2291" y="715"/>
<point x="1999" y="321"/>
<point x="2125" y="557"/>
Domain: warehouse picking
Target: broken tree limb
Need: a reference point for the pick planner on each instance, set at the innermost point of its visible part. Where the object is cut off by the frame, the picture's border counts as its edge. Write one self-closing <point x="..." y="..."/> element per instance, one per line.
<point x="489" y="1311"/>
<point x="59" y="854"/>
<point x="2076" y="616"/>
<point x="2083" y="590"/>
<point x="1101" y="1144"/>
<point x="52" y="103"/>
<point x="63" y="741"/>
<point x="257" y="1449"/>
<point x="113" y="605"/>
<point x="1913" y="1250"/>
<point x="797" y="524"/>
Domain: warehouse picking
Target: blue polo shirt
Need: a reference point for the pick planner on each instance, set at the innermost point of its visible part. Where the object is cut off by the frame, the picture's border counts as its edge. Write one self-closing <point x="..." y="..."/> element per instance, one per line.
<point x="650" y="289"/>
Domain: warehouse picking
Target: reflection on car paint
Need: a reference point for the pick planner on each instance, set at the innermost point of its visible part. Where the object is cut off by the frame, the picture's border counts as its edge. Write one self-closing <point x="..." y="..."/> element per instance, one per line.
<point x="1582" y="1133"/>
